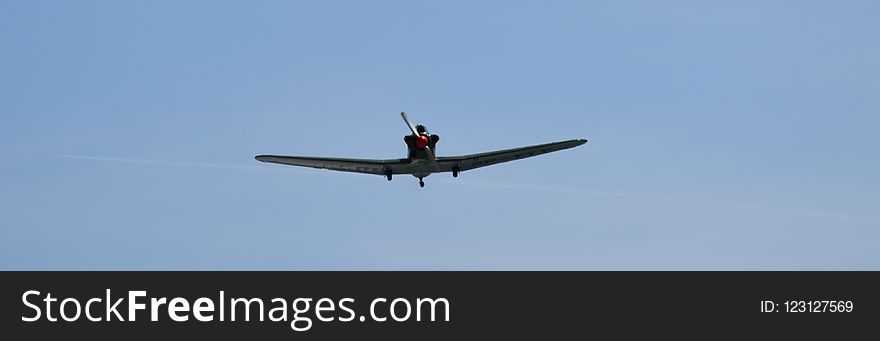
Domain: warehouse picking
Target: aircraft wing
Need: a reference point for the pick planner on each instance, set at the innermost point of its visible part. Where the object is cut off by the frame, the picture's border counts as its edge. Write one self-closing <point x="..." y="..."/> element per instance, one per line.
<point x="466" y="162"/>
<point x="378" y="167"/>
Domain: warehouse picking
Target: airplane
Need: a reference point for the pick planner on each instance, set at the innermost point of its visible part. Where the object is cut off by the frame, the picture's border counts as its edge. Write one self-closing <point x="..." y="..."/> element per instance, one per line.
<point x="421" y="160"/>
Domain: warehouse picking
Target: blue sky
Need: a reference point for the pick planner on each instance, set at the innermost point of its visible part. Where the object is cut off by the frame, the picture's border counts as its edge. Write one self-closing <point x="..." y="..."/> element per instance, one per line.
<point x="724" y="135"/>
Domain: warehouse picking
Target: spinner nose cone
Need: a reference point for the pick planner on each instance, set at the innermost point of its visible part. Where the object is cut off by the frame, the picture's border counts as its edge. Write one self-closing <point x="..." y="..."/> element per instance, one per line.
<point x="422" y="141"/>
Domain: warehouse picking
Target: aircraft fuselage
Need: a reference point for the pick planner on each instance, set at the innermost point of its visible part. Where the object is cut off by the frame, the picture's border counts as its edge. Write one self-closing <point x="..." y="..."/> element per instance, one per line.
<point x="419" y="155"/>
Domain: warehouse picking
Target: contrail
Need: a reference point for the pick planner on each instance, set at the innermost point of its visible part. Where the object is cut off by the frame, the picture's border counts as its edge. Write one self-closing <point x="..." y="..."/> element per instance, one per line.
<point x="223" y="166"/>
<point x="168" y="163"/>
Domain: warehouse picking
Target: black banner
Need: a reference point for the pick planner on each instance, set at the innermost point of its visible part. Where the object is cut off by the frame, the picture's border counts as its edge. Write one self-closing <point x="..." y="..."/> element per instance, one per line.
<point x="418" y="305"/>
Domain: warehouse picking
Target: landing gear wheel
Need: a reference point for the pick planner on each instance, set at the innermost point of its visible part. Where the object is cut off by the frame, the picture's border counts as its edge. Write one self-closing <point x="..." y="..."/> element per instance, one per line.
<point x="388" y="176"/>
<point x="421" y="183"/>
<point x="455" y="172"/>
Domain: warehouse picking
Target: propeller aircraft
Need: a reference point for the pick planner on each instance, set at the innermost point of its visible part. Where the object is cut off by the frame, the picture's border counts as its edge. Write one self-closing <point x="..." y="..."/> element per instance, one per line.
<point x="421" y="160"/>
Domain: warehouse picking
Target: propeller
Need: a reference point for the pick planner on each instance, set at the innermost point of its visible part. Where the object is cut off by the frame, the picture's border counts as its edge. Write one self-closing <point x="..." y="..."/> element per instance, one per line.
<point x="431" y="155"/>
<point x="409" y="124"/>
<point x="421" y="138"/>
